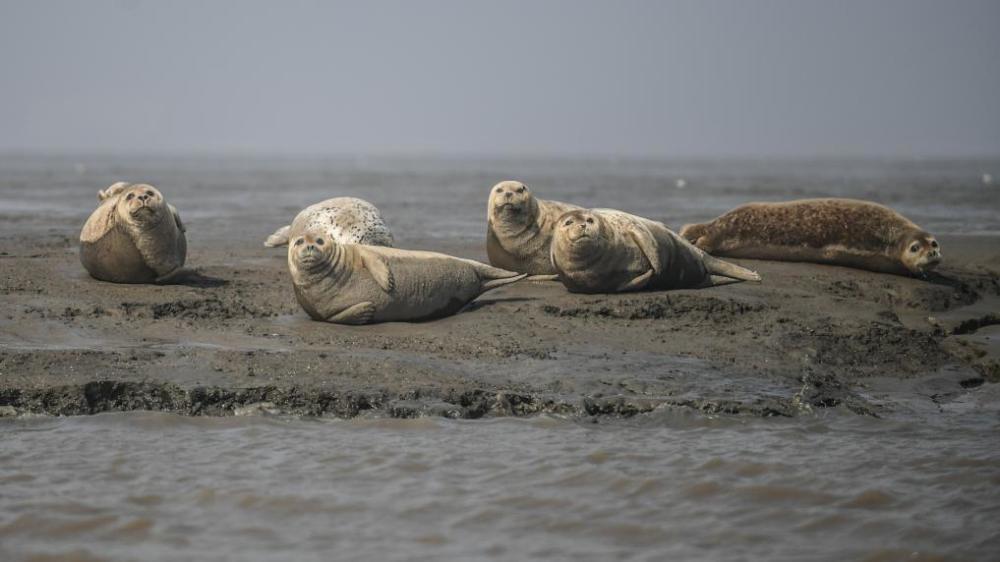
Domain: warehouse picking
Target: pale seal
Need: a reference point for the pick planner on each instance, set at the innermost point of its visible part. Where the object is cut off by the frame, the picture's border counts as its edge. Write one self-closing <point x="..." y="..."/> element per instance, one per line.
<point x="133" y="236"/>
<point x="845" y="232"/>
<point x="357" y="284"/>
<point x="519" y="228"/>
<point x="344" y="220"/>
<point x="609" y="251"/>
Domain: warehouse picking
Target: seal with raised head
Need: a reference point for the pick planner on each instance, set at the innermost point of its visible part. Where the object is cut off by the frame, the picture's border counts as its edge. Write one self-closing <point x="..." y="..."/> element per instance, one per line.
<point x="847" y="232"/>
<point x="134" y="236"/>
<point x="519" y="228"/>
<point x="610" y="251"/>
<point x="357" y="284"/>
<point x="344" y="220"/>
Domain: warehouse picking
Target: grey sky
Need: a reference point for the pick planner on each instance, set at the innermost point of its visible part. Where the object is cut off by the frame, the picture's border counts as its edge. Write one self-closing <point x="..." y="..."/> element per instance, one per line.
<point x="735" y="78"/>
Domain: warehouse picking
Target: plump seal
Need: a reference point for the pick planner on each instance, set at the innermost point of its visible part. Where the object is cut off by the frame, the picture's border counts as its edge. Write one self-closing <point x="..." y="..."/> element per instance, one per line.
<point x="519" y="228"/>
<point x="357" y="284"/>
<point x="133" y="236"/>
<point x="344" y="220"/>
<point x="846" y="232"/>
<point x="609" y="251"/>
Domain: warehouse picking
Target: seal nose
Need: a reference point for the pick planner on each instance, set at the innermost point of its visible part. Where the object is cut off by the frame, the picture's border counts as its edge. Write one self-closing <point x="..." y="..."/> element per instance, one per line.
<point x="508" y="195"/>
<point x="143" y="197"/>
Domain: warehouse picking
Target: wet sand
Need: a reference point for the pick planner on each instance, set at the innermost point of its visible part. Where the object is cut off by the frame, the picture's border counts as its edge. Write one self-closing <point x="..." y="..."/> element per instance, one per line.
<point x="231" y="339"/>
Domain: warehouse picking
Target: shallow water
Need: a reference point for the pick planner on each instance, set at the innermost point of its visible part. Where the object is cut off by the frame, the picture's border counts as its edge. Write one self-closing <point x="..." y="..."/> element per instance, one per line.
<point x="668" y="485"/>
<point x="435" y="199"/>
<point x="921" y="485"/>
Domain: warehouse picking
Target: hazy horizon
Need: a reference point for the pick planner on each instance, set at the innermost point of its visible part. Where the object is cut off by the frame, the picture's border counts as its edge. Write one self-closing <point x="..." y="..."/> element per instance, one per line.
<point x="672" y="80"/>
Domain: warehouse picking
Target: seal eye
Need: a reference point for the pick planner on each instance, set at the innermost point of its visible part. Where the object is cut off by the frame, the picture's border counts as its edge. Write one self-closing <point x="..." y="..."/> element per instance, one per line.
<point x="499" y="190"/>
<point x="319" y="241"/>
<point x="568" y="222"/>
<point x="590" y="221"/>
<point x="129" y="196"/>
<point x="914" y="247"/>
<point x="150" y="193"/>
<point x="520" y="189"/>
<point x="300" y="241"/>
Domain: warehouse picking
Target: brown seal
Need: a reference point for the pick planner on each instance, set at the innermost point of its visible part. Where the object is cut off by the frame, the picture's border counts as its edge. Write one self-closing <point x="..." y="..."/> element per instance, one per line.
<point x="609" y="251"/>
<point x="357" y="284"/>
<point x="519" y="228"/>
<point x="846" y="232"/>
<point x="133" y="236"/>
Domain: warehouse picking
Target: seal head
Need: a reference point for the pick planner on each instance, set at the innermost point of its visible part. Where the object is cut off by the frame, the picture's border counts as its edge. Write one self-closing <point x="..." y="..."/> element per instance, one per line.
<point x="512" y="203"/>
<point x="920" y="252"/>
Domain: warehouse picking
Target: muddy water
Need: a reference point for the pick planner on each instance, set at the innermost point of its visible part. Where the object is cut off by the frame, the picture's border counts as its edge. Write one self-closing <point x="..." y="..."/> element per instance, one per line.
<point x="669" y="485"/>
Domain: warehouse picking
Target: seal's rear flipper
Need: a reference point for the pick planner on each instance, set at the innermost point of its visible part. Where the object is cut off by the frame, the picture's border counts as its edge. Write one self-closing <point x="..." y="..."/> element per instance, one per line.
<point x="279" y="238"/>
<point x="718" y="281"/>
<point x="716" y="266"/>
<point x="554" y="277"/>
<point x="494" y="283"/>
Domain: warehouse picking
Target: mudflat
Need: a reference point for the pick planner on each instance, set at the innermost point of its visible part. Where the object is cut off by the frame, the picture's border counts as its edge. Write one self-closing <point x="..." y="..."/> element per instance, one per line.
<point x="230" y="338"/>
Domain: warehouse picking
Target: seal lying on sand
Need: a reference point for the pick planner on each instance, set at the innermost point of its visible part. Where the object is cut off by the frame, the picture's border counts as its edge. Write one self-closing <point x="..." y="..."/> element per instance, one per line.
<point x="133" y="236"/>
<point x="519" y="228"/>
<point x="608" y="251"/>
<point x="845" y="232"/>
<point x="356" y="284"/>
<point x="344" y="220"/>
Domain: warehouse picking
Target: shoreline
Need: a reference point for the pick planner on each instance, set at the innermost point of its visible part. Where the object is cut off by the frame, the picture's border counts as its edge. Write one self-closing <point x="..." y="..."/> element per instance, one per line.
<point x="232" y="340"/>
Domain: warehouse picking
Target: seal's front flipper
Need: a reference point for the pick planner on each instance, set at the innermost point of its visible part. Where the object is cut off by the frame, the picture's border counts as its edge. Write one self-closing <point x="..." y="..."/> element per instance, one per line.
<point x="379" y="270"/>
<point x="177" y="218"/>
<point x="647" y="245"/>
<point x="279" y="238"/>
<point x="716" y="266"/>
<point x="636" y="284"/>
<point x="358" y="314"/>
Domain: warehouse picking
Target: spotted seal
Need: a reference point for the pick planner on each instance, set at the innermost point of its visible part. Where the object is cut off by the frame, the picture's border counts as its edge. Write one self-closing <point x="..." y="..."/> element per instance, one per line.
<point x="345" y="220"/>
<point x="609" y="251"/>
<point x="519" y="228"/>
<point x="847" y="232"/>
<point x="358" y="284"/>
<point x="134" y="236"/>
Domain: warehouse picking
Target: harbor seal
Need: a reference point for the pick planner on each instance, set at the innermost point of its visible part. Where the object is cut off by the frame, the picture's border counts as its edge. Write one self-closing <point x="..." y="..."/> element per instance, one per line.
<point x="357" y="284"/>
<point x="344" y="220"/>
<point x="609" y="251"/>
<point x="519" y="228"/>
<point x="134" y="236"/>
<point x="847" y="232"/>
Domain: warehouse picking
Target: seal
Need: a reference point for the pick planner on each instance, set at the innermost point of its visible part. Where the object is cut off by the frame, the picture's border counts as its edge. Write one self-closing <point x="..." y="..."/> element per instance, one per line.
<point x="610" y="251"/>
<point x="847" y="232"/>
<point x="134" y="236"/>
<point x="344" y="220"/>
<point x="357" y="284"/>
<point x="519" y="228"/>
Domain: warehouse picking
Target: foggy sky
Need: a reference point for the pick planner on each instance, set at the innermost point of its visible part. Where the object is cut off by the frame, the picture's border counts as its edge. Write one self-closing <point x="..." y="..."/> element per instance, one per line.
<point x="618" y="78"/>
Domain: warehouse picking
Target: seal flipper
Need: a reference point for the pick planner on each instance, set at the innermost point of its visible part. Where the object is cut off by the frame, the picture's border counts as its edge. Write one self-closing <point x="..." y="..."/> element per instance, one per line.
<point x="636" y="284"/>
<point x="716" y="266"/>
<point x="279" y="238"/>
<point x="177" y="218"/>
<point x="494" y="283"/>
<point x="360" y="313"/>
<point x="646" y="244"/>
<point x="112" y="190"/>
<point x="379" y="269"/>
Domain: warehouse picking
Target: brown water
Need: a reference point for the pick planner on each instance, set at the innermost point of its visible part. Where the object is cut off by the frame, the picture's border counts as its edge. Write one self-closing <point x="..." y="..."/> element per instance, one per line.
<point x="669" y="485"/>
<point x="923" y="484"/>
